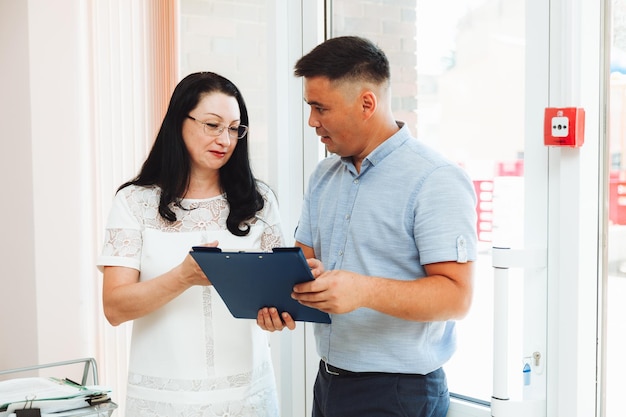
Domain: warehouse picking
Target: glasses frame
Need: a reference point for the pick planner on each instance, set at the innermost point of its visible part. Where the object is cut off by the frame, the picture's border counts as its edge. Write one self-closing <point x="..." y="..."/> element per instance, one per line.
<point x="210" y="130"/>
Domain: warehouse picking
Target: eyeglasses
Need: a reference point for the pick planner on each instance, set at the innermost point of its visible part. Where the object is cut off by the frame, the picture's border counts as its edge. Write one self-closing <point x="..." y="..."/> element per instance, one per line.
<point x="215" y="129"/>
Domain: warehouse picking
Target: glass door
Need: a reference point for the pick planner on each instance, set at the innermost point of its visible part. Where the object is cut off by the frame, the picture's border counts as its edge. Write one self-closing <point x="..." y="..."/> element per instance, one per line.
<point x="459" y="80"/>
<point x="615" y="363"/>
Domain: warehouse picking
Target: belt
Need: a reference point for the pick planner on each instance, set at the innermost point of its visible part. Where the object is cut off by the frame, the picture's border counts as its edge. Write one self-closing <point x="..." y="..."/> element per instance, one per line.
<point x="333" y="370"/>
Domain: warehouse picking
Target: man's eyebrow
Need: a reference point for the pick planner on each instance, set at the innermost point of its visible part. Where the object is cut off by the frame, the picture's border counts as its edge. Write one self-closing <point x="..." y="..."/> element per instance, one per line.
<point x="313" y="103"/>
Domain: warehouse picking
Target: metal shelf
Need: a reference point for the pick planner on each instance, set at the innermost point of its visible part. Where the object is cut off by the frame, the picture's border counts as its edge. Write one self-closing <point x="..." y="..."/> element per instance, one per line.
<point x="89" y="369"/>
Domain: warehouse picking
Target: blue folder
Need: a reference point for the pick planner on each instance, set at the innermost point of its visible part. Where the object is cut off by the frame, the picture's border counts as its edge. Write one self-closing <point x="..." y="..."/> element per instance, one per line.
<point x="249" y="281"/>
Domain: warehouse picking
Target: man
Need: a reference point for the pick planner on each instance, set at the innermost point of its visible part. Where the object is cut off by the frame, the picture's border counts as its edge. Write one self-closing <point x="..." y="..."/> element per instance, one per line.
<point x="388" y="227"/>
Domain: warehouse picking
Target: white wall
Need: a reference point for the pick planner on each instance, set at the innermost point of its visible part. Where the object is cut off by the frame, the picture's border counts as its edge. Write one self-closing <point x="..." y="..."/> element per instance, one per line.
<point x="48" y="278"/>
<point x="18" y="340"/>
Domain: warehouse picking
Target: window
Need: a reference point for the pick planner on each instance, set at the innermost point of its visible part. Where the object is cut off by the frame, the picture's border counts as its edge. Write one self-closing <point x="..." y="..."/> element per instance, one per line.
<point x="616" y="257"/>
<point x="451" y="64"/>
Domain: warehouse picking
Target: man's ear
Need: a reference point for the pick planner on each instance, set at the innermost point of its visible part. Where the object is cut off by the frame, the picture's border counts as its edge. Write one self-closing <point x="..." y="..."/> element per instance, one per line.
<point x="369" y="102"/>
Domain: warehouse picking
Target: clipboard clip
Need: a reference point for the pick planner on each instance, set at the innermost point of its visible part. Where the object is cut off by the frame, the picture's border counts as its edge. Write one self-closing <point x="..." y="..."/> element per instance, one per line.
<point x="294" y="249"/>
<point x="205" y="249"/>
<point x="28" y="410"/>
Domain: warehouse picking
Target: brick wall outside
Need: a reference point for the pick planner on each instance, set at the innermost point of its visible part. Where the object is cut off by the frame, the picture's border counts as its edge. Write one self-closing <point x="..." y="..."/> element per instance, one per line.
<point x="391" y="24"/>
<point x="230" y="37"/>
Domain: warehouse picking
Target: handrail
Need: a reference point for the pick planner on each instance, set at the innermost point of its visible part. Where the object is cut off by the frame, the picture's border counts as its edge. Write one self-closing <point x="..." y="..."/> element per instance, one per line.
<point x="90" y="363"/>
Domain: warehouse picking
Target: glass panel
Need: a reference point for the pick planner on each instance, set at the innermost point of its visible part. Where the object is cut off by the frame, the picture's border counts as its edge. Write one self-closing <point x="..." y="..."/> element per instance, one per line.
<point x="246" y="41"/>
<point x="230" y="38"/>
<point x="615" y="342"/>
<point x="458" y="82"/>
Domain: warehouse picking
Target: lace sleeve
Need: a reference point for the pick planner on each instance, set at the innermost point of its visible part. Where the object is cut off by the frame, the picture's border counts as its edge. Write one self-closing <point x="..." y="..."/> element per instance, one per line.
<point x="123" y="239"/>
<point x="122" y="243"/>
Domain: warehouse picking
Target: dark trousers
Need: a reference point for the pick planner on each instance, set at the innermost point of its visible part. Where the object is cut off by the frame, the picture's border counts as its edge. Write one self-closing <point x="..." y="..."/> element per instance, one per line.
<point x="373" y="394"/>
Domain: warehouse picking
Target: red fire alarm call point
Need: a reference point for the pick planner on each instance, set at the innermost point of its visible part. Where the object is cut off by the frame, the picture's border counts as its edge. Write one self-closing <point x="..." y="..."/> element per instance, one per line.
<point x="564" y="126"/>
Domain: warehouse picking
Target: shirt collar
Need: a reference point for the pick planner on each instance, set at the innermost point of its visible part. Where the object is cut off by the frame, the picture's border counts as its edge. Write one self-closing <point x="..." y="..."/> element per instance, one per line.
<point x="385" y="148"/>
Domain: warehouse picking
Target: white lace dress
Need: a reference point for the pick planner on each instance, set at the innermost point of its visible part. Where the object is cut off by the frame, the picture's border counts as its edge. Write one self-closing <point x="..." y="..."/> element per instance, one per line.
<point x="191" y="357"/>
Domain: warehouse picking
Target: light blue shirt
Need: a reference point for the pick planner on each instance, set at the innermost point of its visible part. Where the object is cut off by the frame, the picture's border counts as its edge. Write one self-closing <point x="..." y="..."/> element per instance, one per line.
<point x="408" y="207"/>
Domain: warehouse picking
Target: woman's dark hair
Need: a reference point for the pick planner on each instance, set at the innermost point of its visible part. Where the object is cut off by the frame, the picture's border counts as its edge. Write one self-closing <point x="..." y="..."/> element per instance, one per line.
<point x="168" y="164"/>
<point x="345" y="58"/>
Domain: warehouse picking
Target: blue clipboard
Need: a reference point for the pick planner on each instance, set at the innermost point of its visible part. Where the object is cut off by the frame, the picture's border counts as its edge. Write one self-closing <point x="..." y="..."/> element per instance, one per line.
<point x="249" y="281"/>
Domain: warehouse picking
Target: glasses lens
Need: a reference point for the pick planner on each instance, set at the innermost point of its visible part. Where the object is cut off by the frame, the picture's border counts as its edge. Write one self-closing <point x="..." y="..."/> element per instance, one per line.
<point x="241" y="131"/>
<point x="211" y="129"/>
<point x="216" y="129"/>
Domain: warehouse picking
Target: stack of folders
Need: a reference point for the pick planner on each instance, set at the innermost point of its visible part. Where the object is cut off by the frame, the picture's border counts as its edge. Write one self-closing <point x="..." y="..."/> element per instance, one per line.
<point x="51" y="396"/>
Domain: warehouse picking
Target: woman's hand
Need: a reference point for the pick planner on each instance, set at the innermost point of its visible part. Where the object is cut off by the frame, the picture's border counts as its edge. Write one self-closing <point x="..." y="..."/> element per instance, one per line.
<point x="191" y="273"/>
<point x="269" y="319"/>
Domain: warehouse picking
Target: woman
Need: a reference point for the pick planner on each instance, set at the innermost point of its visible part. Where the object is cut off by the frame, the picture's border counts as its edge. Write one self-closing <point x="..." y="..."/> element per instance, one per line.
<point x="189" y="356"/>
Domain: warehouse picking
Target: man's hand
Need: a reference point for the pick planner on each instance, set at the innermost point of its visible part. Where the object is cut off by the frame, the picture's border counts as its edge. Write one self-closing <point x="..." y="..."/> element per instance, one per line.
<point x="334" y="292"/>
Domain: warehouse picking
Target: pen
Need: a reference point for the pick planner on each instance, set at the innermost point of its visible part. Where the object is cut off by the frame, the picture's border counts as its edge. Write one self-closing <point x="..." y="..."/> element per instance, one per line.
<point x="69" y="381"/>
